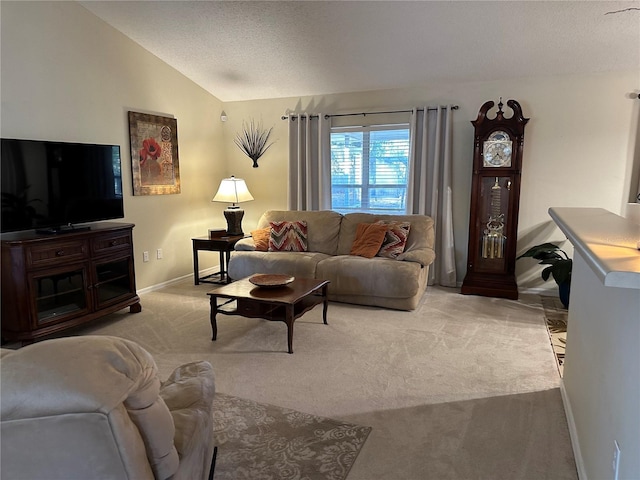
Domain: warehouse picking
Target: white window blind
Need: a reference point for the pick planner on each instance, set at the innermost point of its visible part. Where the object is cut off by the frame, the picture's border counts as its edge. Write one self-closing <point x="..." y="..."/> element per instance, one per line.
<point x="370" y="168"/>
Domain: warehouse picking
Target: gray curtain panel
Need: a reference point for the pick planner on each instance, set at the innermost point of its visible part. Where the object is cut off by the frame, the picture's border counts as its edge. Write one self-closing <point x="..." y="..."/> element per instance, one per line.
<point x="309" y="162"/>
<point x="430" y="190"/>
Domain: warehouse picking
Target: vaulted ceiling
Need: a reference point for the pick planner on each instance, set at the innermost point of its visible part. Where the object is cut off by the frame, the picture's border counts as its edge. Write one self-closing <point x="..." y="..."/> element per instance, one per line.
<point x="244" y="50"/>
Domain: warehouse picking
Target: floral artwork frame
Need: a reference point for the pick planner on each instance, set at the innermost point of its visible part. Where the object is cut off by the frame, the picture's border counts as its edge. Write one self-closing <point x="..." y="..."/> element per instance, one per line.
<point x="155" y="167"/>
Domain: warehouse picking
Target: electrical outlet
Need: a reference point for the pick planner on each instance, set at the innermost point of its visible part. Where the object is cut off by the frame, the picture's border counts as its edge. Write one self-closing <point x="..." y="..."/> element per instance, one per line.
<point x="159" y="254"/>
<point x="145" y="256"/>
<point x="615" y="464"/>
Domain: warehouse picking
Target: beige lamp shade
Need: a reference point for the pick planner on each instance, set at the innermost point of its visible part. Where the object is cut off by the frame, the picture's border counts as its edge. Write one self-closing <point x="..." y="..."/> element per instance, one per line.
<point x="232" y="190"/>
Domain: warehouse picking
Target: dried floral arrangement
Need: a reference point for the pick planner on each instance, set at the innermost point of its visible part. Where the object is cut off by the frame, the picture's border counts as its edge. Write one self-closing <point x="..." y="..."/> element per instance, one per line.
<point x="253" y="140"/>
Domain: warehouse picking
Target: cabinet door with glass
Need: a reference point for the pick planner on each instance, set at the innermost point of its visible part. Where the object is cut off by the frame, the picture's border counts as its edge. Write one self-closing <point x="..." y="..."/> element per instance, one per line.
<point x="59" y="294"/>
<point x="113" y="280"/>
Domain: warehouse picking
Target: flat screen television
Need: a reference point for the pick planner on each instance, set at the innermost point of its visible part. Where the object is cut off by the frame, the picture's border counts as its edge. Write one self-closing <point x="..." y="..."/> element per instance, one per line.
<point x="54" y="187"/>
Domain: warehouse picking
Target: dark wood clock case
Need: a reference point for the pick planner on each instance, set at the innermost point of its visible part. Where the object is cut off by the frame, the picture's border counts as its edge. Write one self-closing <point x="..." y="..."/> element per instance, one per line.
<point x="495" y="198"/>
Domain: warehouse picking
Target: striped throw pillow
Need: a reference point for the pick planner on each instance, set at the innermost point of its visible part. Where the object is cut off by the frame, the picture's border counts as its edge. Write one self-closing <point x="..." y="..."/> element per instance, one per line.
<point x="288" y="237"/>
<point x="395" y="239"/>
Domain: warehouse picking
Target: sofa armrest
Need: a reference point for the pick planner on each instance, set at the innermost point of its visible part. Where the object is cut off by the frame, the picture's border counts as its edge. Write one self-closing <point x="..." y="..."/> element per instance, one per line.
<point x="421" y="241"/>
<point x="189" y="392"/>
<point x="424" y="256"/>
<point x="245" y="244"/>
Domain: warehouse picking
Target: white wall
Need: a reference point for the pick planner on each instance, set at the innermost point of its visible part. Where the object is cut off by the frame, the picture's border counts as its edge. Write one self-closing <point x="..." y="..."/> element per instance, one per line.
<point x="68" y="76"/>
<point x="601" y="374"/>
<point x="578" y="147"/>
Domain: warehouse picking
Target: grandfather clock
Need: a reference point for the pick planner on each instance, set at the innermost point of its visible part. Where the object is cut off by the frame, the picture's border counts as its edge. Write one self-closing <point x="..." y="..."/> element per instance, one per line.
<point x="495" y="199"/>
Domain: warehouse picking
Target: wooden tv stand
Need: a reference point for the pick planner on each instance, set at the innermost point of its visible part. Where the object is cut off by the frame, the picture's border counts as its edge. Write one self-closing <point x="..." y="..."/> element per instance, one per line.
<point x="54" y="282"/>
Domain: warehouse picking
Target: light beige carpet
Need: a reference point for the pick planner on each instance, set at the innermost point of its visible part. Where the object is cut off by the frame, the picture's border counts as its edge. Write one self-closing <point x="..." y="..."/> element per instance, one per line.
<point x="464" y="387"/>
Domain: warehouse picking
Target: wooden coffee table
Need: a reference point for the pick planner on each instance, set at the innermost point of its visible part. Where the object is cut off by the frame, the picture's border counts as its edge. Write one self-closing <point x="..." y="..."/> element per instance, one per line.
<point x="282" y="304"/>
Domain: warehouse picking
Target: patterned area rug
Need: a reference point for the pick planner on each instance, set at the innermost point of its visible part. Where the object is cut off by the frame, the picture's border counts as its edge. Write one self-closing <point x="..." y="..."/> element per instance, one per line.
<point x="556" y="316"/>
<point x="261" y="442"/>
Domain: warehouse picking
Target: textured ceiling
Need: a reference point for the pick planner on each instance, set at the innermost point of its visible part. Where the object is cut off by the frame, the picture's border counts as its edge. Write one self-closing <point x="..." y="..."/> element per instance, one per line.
<point x="241" y="50"/>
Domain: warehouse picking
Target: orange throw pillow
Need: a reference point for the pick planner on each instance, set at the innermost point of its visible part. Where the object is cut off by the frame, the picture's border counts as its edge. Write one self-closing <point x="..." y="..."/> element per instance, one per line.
<point x="261" y="239"/>
<point x="369" y="238"/>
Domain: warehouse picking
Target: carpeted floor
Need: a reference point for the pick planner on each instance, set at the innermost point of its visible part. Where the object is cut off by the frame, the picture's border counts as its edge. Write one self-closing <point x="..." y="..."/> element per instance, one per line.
<point x="464" y="387"/>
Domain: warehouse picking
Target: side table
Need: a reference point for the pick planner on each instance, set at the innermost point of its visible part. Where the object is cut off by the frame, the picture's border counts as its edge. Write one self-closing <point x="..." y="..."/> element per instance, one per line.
<point x="224" y="245"/>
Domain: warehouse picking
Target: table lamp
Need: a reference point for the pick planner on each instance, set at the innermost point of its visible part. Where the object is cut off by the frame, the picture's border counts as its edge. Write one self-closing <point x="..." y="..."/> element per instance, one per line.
<point x="233" y="190"/>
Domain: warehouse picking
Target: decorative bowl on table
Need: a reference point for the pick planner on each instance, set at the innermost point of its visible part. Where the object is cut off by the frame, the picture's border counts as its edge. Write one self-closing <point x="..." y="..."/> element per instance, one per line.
<point x="269" y="280"/>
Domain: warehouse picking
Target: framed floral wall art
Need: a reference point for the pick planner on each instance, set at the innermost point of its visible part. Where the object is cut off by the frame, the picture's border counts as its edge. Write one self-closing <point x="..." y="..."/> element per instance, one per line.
<point x="154" y="154"/>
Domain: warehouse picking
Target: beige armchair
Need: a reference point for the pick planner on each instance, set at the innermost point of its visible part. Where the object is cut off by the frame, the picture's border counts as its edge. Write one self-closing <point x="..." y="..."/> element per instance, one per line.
<point x="93" y="407"/>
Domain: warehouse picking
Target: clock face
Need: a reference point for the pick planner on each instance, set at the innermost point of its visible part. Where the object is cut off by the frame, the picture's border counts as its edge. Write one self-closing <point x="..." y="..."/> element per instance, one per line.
<point x="497" y="150"/>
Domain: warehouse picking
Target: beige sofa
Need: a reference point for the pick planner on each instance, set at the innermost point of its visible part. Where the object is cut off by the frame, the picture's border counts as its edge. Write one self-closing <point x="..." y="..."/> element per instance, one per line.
<point x="392" y="283"/>
<point x="93" y="407"/>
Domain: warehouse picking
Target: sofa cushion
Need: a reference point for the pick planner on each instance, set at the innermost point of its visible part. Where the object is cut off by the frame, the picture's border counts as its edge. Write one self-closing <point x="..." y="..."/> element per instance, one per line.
<point x="323" y="227"/>
<point x="288" y="236"/>
<point x="369" y="238"/>
<point x="371" y="277"/>
<point x="395" y="238"/>
<point x="404" y="303"/>
<point x="420" y="242"/>
<point x="298" y="264"/>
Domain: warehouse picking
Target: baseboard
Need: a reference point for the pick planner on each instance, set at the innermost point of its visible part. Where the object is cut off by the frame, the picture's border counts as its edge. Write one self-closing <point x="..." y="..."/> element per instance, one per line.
<point x="158" y="286"/>
<point x="573" y="433"/>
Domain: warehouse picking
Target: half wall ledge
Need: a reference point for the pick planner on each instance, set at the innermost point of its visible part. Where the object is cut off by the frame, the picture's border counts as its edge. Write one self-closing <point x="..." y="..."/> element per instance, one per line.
<point x="607" y="242"/>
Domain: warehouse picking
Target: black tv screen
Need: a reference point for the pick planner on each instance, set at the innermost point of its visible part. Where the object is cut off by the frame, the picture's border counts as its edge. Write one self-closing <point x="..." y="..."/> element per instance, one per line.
<point x="50" y="186"/>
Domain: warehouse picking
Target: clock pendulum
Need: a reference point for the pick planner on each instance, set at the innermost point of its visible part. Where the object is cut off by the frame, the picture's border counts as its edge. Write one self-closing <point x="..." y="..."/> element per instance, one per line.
<point x="493" y="238"/>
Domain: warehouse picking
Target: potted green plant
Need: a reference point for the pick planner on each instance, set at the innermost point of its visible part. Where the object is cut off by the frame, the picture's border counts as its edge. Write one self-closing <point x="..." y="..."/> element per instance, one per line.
<point x="559" y="267"/>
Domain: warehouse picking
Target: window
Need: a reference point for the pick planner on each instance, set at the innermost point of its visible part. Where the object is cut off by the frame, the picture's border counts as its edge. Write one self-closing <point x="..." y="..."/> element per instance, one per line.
<point x="369" y="168"/>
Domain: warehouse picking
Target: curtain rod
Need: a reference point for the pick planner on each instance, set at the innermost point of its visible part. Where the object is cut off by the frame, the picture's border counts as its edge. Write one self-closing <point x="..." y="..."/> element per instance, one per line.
<point x="364" y="114"/>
